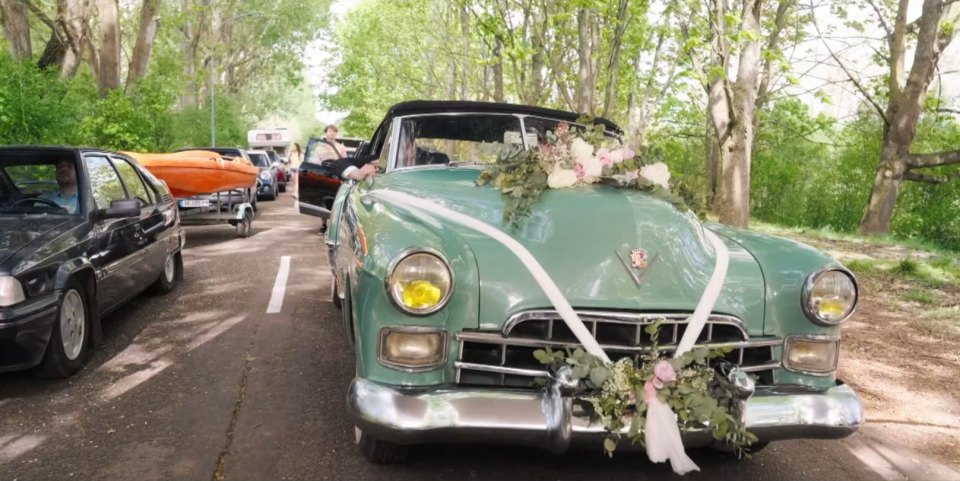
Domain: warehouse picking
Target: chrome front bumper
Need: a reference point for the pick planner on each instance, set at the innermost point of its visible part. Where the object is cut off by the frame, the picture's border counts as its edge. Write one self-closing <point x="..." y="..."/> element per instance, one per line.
<point x="551" y="420"/>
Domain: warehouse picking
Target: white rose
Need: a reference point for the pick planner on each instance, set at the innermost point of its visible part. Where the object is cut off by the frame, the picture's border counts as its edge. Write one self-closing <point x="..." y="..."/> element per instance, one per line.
<point x="592" y="168"/>
<point x="561" y="178"/>
<point x="657" y="174"/>
<point x="581" y="150"/>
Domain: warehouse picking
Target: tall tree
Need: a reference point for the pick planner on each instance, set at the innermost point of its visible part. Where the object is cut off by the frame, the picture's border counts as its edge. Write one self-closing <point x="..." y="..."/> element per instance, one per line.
<point x="108" y="18"/>
<point x="144" y="45"/>
<point x="907" y="93"/>
<point x="16" y="28"/>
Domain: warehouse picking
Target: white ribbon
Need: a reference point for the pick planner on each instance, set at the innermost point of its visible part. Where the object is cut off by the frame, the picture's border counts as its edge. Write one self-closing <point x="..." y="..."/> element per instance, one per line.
<point x="662" y="435"/>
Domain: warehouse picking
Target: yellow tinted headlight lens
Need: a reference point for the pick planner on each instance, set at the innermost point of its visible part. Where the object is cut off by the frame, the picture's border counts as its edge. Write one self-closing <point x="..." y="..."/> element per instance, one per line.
<point x="420" y="283"/>
<point x="421" y="295"/>
<point x="830" y="297"/>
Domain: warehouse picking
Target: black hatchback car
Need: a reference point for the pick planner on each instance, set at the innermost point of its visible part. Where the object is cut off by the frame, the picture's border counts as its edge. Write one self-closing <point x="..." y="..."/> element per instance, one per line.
<point x="81" y="232"/>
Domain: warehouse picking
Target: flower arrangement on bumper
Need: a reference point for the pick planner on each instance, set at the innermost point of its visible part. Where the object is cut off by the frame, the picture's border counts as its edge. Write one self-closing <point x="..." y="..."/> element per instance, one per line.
<point x="619" y="393"/>
<point x="568" y="157"/>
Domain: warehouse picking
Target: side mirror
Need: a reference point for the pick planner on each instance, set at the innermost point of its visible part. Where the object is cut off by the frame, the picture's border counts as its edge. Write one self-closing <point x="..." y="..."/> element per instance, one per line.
<point x="120" y="209"/>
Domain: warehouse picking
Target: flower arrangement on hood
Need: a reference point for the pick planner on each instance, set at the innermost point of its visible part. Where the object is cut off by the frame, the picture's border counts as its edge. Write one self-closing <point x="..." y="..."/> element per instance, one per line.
<point x="569" y="157"/>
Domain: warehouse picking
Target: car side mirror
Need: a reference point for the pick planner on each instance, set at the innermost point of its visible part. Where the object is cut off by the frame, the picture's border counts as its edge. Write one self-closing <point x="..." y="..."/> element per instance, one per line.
<point x="120" y="209"/>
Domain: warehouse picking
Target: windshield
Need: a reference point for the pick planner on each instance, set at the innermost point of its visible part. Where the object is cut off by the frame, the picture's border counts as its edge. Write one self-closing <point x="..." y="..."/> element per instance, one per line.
<point x="469" y="138"/>
<point x="259" y="159"/>
<point x="38" y="183"/>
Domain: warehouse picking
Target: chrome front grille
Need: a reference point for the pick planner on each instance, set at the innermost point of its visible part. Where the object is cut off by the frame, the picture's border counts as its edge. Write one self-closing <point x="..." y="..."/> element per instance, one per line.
<point x="506" y="359"/>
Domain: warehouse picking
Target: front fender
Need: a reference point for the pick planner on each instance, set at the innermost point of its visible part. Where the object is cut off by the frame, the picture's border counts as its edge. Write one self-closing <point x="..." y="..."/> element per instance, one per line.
<point x="379" y="235"/>
<point x="82" y="269"/>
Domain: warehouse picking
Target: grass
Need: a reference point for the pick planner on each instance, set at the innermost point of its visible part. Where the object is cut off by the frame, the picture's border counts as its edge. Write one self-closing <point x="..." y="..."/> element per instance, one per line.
<point x="921" y="296"/>
<point x="931" y="272"/>
<point x="827" y="233"/>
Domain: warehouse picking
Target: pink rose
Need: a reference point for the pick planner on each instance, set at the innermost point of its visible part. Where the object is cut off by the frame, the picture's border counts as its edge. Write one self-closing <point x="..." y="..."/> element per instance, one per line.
<point x="603" y="155"/>
<point x="627" y="153"/>
<point x="580" y="170"/>
<point x="649" y="392"/>
<point x="663" y="373"/>
<point x="562" y="129"/>
<point x="631" y="175"/>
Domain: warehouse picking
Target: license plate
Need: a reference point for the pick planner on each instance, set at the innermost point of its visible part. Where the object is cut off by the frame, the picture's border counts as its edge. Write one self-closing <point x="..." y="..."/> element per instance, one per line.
<point x="195" y="203"/>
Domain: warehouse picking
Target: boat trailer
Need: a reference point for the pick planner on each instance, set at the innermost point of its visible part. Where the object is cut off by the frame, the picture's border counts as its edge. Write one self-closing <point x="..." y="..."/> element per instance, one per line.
<point x="234" y="207"/>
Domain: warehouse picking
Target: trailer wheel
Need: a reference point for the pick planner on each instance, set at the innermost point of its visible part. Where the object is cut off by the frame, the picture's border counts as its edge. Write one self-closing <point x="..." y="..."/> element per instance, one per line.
<point x="245" y="226"/>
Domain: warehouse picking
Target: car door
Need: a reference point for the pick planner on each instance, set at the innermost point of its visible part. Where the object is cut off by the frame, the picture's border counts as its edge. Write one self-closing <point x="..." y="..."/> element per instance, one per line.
<point x="113" y="254"/>
<point x="149" y="225"/>
<point x="317" y="186"/>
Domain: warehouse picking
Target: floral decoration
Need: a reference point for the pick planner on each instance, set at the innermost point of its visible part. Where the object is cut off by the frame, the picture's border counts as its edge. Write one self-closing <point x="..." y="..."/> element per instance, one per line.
<point x="568" y="157"/>
<point x="618" y="393"/>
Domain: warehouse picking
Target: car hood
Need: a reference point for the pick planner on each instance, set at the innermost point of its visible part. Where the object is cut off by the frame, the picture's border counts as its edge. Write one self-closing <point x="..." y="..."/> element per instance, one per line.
<point x="583" y="238"/>
<point x="22" y="237"/>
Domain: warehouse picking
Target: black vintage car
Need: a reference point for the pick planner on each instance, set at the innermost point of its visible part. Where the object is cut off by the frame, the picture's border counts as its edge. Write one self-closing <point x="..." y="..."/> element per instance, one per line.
<point x="81" y="232"/>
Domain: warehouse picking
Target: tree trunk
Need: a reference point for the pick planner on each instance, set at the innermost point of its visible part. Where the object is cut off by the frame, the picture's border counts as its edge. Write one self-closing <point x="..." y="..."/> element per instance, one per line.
<point x="498" y="95"/>
<point x="610" y="96"/>
<point x="109" y="18"/>
<point x="144" y="45"/>
<point x="584" y="95"/>
<point x="735" y="159"/>
<point x="903" y="113"/>
<point x="712" y="150"/>
<point x="16" y="28"/>
<point x="75" y="15"/>
<point x="465" y="52"/>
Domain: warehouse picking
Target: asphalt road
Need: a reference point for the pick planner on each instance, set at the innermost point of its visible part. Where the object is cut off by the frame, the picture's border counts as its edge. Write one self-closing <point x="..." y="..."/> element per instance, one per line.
<point x="205" y="384"/>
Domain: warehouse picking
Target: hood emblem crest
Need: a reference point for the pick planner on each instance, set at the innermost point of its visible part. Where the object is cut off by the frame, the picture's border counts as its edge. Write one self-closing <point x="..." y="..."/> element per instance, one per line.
<point x="637" y="261"/>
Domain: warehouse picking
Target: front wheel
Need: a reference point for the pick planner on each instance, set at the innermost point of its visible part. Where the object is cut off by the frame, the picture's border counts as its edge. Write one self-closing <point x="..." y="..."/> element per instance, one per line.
<point x="245" y="225"/>
<point x="380" y="451"/>
<point x="69" y="342"/>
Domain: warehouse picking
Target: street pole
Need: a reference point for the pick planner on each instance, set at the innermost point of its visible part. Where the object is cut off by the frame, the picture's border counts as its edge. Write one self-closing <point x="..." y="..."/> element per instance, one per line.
<point x="213" y="106"/>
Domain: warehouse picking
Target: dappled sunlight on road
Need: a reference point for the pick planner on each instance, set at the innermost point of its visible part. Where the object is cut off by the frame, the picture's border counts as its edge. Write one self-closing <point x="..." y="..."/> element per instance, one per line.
<point x="12" y="447"/>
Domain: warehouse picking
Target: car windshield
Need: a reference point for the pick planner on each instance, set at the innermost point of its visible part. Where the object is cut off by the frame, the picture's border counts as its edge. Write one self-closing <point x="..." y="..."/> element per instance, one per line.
<point x="38" y="183"/>
<point x="259" y="159"/>
<point x="469" y="138"/>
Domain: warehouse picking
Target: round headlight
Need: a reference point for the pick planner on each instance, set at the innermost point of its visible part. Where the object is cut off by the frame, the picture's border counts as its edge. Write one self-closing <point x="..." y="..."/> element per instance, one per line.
<point x="264" y="175"/>
<point x="829" y="296"/>
<point x="420" y="283"/>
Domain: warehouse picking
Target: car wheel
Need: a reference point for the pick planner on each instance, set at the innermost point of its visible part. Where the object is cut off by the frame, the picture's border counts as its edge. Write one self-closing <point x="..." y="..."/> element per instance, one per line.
<point x="380" y="451"/>
<point x="282" y="188"/>
<point x="172" y="269"/>
<point x="336" y="294"/>
<point x="69" y="341"/>
<point x="245" y="226"/>
<point x="253" y="201"/>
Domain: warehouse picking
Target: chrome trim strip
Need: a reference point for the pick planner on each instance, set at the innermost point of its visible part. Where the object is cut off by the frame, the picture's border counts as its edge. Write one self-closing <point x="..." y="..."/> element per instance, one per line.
<point x="621" y="318"/>
<point x="400" y="367"/>
<point x="761" y="367"/>
<point x="808" y="286"/>
<point x="492" y="338"/>
<point x="501" y="369"/>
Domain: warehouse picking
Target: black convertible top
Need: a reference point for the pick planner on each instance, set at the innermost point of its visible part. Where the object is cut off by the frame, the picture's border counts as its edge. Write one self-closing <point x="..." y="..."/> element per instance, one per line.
<point x="439" y="106"/>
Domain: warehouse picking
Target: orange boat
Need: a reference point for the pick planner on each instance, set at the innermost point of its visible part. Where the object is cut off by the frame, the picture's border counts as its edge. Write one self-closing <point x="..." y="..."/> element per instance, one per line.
<point x="194" y="172"/>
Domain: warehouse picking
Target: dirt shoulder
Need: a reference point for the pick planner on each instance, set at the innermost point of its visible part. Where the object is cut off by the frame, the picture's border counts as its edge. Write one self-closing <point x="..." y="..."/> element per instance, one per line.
<point x="901" y="349"/>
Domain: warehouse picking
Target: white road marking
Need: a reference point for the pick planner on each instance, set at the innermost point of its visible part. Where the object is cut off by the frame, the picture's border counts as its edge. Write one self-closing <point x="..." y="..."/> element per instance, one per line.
<point x="279" y="286"/>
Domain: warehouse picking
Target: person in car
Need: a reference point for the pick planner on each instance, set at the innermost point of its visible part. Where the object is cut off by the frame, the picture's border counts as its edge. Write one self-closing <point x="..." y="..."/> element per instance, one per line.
<point x="328" y="148"/>
<point x="66" y="195"/>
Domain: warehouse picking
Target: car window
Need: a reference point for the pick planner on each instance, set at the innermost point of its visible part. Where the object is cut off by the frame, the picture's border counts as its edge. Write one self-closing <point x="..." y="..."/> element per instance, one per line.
<point x="104" y="182"/>
<point x="39" y="184"/>
<point x="260" y="160"/>
<point x="135" y="185"/>
<point x="445" y="139"/>
<point x="385" y="151"/>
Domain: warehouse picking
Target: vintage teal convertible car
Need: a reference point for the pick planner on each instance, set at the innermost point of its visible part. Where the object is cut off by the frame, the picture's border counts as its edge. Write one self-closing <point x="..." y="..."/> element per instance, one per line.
<point x="444" y="320"/>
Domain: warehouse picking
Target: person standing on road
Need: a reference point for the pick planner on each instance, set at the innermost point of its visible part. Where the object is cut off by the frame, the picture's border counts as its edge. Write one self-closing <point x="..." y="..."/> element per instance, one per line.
<point x="295" y="159"/>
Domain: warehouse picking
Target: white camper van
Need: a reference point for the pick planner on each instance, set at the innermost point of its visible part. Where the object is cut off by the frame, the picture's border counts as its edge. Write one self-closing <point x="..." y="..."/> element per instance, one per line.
<point x="276" y="139"/>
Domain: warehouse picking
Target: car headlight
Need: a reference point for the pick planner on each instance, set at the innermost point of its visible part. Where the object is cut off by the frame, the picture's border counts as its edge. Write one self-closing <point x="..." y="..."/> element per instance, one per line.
<point x="420" y="282"/>
<point x="264" y="175"/>
<point x="11" y="292"/>
<point x="829" y="296"/>
<point x="412" y="348"/>
<point x="817" y="355"/>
